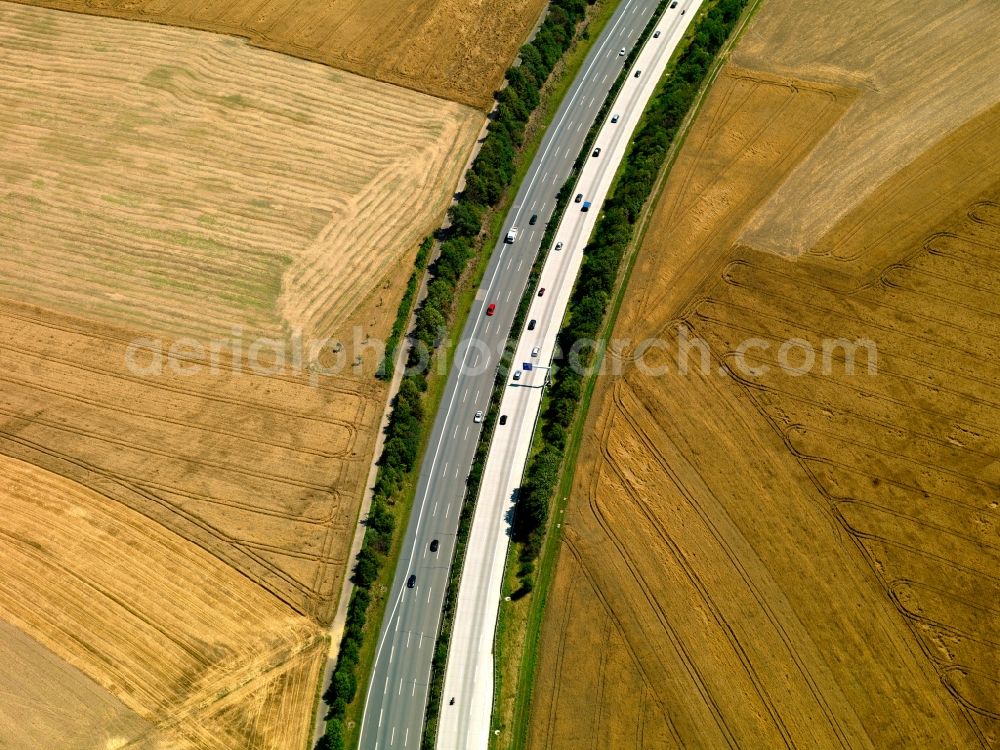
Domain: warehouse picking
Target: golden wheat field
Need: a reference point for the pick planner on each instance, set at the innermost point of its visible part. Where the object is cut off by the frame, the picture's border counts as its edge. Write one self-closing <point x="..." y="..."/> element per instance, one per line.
<point x="455" y="49"/>
<point x="172" y="631"/>
<point x="251" y="189"/>
<point x="761" y="553"/>
<point x="177" y="527"/>
<point x="917" y="75"/>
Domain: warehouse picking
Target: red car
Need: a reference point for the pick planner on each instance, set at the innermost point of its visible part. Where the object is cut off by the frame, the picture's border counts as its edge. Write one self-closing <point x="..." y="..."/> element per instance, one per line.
<point x="492" y="308"/>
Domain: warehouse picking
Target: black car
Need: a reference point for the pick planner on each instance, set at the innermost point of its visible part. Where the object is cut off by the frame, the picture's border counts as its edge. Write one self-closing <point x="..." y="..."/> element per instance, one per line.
<point x="597" y="152"/>
<point x="531" y="324"/>
<point x="638" y="73"/>
<point x="579" y="197"/>
<point x="503" y="419"/>
<point x="534" y="219"/>
<point x="434" y="545"/>
<point x="411" y="582"/>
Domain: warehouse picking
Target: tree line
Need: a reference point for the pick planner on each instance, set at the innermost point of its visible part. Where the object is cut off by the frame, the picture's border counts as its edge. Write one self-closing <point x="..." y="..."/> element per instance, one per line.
<point x="602" y="259"/>
<point x="387" y="367"/>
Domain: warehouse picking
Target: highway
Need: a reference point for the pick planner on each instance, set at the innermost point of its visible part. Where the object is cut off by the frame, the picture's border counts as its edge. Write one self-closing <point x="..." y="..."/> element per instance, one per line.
<point x="469" y="678"/>
<point x="397" y="693"/>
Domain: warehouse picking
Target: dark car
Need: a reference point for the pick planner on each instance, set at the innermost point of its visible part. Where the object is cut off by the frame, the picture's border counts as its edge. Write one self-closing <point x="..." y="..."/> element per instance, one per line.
<point x="434" y="545"/>
<point x="597" y="151"/>
<point x="534" y="219"/>
<point x="656" y="35"/>
<point x="541" y="291"/>
<point x="411" y="582"/>
<point x="531" y="324"/>
<point x="638" y="73"/>
<point x="503" y="419"/>
<point x="579" y="197"/>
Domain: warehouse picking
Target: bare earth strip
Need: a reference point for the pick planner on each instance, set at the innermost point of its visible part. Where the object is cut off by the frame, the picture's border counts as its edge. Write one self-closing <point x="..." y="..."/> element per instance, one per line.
<point x="455" y="49"/>
<point x="250" y="189"/>
<point x="165" y="626"/>
<point x="787" y="561"/>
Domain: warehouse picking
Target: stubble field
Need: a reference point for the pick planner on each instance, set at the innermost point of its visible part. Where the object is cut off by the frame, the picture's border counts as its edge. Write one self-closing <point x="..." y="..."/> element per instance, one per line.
<point x="171" y="187"/>
<point x="454" y="49"/>
<point x="251" y="189"/>
<point x="778" y="558"/>
<point x="179" y="637"/>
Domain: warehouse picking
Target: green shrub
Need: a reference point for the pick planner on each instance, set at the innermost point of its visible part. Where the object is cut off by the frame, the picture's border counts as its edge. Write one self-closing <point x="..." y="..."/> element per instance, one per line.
<point x="602" y="260"/>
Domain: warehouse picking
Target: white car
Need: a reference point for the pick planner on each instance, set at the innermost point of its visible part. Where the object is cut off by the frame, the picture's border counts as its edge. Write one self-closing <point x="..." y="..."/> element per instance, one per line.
<point x="559" y="246"/>
<point x="534" y="352"/>
<point x="621" y="52"/>
<point x="517" y="374"/>
<point x="614" y="119"/>
<point x="511" y="236"/>
<point x="478" y="418"/>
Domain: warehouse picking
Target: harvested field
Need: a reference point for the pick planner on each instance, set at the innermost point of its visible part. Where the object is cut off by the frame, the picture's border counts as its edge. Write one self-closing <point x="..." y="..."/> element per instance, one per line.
<point x="47" y="703"/>
<point x="455" y="49"/>
<point x="264" y="472"/>
<point x="792" y="556"/>
<point x="251" y="190"/>
<point x="918" y="76"/>
<point x="176" y="634"/>
<point x="178" y="526"/>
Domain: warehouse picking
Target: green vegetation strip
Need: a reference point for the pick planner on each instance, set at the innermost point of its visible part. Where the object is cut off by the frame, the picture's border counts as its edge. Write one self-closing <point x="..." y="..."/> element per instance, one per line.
<point x="473" y="484"/>
<point x="602" y="259"/>
<point x="491" y="174"/>
<point x="387" y="367"/>
<point x="563" y="414"/>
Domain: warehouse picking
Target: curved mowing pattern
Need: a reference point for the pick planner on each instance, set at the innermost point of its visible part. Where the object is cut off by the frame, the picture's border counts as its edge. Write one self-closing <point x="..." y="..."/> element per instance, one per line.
<point x="182" y="182"/>
<point x="183" y="640"/>
<point x="791" y="560"/>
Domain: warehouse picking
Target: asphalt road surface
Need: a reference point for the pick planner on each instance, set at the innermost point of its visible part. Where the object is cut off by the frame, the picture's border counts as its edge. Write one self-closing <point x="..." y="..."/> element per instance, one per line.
<point x="470" y="671"/>
<point x="397" y="693"/>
